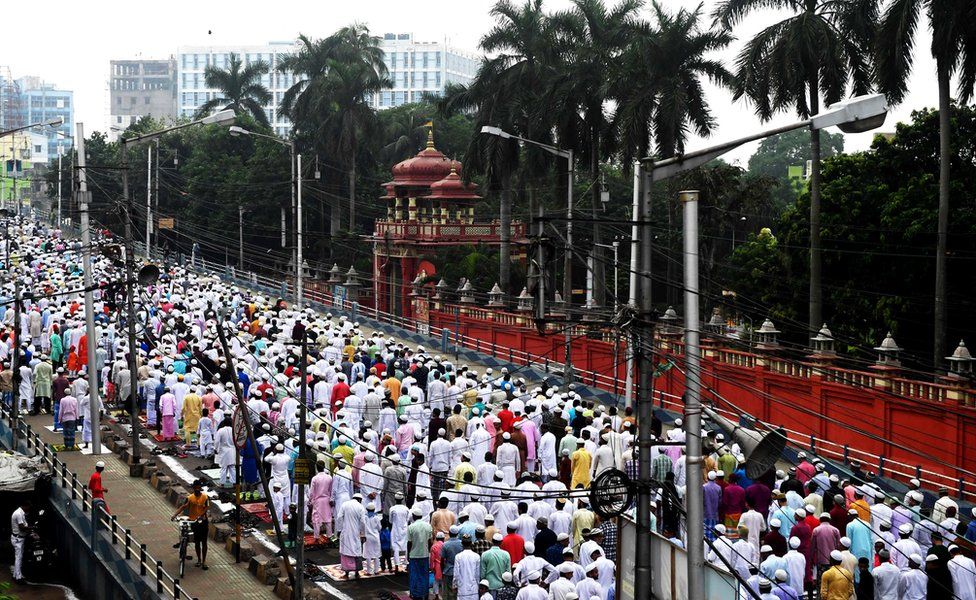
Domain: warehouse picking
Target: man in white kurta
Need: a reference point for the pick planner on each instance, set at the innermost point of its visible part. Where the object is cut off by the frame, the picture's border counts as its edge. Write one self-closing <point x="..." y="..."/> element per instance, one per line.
<point x="352" y="519"/>
<point x="371" y="481"/>
<point x="963" y="571"/>
<point x="467" y="572"/>
<point x="508" y="460"/>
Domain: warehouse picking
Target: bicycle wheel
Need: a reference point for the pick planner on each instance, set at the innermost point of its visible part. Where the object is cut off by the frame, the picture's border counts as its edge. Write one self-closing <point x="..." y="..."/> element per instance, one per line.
<point x="183" y="545"/>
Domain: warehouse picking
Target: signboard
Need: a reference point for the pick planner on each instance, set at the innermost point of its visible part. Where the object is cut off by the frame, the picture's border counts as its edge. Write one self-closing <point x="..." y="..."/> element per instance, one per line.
<point x="167" y="223"/>
<point x="421" y="315"/>
<point x="239" y="428"/>
<point x="303" y="471"/>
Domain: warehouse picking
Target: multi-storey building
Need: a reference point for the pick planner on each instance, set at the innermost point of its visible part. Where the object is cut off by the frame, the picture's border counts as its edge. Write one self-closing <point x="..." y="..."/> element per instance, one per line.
<point x="139" y="88"/>
<point x="31" y="100"/>
<point x="414" y="68"/>
<point x="417" y="68"/>
<point x="192" y="62"/>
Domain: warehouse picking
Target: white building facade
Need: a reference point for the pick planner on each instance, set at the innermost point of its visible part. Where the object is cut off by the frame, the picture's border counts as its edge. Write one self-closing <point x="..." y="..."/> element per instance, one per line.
<point x="415" y="68"/>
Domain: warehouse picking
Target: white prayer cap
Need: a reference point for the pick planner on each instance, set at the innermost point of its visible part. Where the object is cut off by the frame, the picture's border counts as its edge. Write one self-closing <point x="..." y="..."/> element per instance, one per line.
<point x="931" y="558"/>
<point x="416" y="512"/>
<point x="565" y="568"/>
<point x="801" y="455"/>
<point x="591" y="567"/>
<point x="720" y="473"/>
<point x="801" y="513"/>
<point x="809" y="508"/>
<point x="836" y="555"/>
<point x="794" y="542"/>
<point x="497" y="537"/>
<point x="720" y="528"/>
<point x="916" y="558"/>
<point x="775" y="522"/>
<point x="569" y="596"/>
<point x="507" y="436"/>
<point x="766" y="548"/>
<point x="845" y="542"/>
<point x="781" y="575"/>
<point x="914" y="482"/>
<point x="483" y="583"/>
<point x="711" y="475"/>
<point x="279" y="447"/>
<point x="905" y="528"/>
<point x="852" y="511"/>
<point x="371" y="506"/>
<point x="100" y="464"/>
<point x="529" y="547"/>
<point x="507" y="578"/>
<point x="562" y="537"/>
<point x="678" y="422"/>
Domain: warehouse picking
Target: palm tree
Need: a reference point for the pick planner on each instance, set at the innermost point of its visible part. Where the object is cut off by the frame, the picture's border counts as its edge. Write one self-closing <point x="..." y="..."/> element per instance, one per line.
<point x="239" y="87"/>
<point x="592" y="39"/>
<point x="818" y="52"/>
<point x="506" y="93"/>
<point x="660" y="91"/>
<point x="954" y="49"/>
<point x="329" y="102"/>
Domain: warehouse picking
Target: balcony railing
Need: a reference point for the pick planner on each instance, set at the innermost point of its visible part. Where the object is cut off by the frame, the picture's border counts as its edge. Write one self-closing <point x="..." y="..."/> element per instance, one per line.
<point x="445" y="232"/>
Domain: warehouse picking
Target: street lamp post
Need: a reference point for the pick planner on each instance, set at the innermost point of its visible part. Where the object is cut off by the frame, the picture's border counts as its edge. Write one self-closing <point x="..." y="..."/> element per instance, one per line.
<point x="296" y="177"/>
<point x="568" y="260"/>
<point x="616" y="270"/>
<point x="223" y="118"/>
<point x="856" y="115"/>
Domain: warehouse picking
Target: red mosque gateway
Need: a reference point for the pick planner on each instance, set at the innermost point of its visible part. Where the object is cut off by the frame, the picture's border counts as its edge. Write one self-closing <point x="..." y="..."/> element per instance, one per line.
<point x="428" y="207"/>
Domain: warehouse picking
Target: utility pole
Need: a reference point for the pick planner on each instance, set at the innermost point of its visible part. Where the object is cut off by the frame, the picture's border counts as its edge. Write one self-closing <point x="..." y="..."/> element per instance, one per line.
<point x="59" y="187"/>
<point x="693" y="446"/>
<point x="240" y="235"/>
<point x="643" y="346"/>
<point x="149" y="217"/>
<point x="155" y="194"/>
<point x="303" y="457"/>
<point x="130" y="292"/>
<point x="568" y="268"/>
<point x="242" y="406"/>
<point x="299" y="269"/>
<point x="86" y="252"/>
<point x="633" y="283"/>
<point x="15" y="361"/>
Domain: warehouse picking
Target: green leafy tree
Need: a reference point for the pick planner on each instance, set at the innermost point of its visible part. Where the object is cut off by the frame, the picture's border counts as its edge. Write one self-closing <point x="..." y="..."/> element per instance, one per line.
<point x="881" y="217"/>
<point x="777" y="154"/>
<point x="239" y="88"/>
<point x="818" y="52"/>
<point x="954" y="49"/>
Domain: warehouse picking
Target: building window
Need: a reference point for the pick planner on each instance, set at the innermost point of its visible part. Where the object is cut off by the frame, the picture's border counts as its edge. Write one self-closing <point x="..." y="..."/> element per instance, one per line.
<point x="147" y="100"/>
<point x="132" y="101"/>
<point x="118" y="120"/>
<point x="437" y="59"/>
<point x="437" y="80"/>
<point x="37" y="149"/>
<point x="118" y="100"/>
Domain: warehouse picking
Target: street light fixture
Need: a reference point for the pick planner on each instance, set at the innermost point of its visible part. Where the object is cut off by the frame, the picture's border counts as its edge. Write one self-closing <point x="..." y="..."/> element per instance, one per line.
<point x="855" y="115"/>
<point x="568" y="259"/>
<point x="296" y="190"/>
<point x="223" y="118"/>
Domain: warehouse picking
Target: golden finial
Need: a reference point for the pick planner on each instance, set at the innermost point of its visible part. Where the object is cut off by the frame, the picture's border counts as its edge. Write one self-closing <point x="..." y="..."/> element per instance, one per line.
<point x="430" y="136"/>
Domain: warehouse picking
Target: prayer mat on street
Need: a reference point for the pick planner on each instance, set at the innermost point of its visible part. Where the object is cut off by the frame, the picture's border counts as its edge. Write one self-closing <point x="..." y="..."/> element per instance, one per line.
<point x="312" y="543"/>
<point x="259" y="510"/>
<point x="336" y="573"/>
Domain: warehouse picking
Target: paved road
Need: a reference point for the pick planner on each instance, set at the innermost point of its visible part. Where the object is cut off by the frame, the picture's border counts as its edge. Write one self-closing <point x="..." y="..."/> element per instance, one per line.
<point x="146" y="511"/>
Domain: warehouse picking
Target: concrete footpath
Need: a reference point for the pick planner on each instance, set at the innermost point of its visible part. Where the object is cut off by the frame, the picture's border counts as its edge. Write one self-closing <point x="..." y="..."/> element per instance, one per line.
<point x="139" y="507"/>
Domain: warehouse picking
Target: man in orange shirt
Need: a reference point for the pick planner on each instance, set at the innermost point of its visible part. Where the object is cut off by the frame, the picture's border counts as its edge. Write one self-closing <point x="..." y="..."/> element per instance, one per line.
<point x="197" y="506"/>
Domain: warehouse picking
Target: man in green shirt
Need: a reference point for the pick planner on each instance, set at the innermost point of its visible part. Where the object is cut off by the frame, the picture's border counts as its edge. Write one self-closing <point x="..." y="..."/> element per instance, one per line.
<point x="418" y="555"/>
<point x="495" y="562"/>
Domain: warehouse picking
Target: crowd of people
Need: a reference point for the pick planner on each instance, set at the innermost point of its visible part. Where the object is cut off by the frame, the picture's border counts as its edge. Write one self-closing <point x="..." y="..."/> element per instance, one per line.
<point x="474" y="481"/>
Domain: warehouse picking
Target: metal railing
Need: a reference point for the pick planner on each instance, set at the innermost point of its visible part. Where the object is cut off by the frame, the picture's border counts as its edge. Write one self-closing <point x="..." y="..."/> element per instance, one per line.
<point x="886" y="467"/>
<point x="148" y="565"/>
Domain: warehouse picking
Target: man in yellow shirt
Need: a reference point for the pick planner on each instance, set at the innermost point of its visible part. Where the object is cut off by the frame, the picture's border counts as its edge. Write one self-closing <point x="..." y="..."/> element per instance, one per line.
<point x="197" y="506"/>
<point x="861" y="505"/>
<point x="192" y="404"/>
<point x="836" y="583"/>
<point x="581" y="461"/>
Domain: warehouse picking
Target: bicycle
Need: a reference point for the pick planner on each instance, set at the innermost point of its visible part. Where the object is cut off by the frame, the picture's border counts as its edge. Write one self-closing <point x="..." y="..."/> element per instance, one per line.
<point x="184" y="543"/>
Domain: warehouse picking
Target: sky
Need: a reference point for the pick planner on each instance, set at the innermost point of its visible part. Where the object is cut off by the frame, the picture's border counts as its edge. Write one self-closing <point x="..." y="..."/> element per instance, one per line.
<point x="88" y="37"/>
